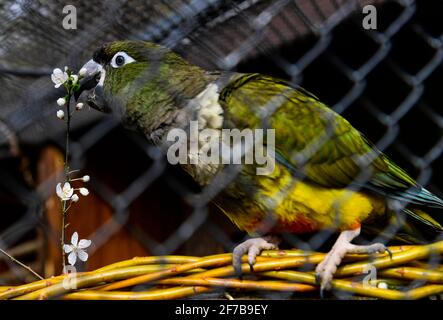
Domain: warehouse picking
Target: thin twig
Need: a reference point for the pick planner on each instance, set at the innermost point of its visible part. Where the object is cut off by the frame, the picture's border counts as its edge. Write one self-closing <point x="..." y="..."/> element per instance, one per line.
<point x="21" y="264"/>
<point x="67" y="177"/>
<point x="62" y="236"/>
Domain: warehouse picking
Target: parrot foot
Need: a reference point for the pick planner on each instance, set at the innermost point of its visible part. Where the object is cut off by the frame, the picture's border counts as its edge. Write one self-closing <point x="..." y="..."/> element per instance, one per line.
<point x="326" y="269"/>
<point x="253" y="247"/>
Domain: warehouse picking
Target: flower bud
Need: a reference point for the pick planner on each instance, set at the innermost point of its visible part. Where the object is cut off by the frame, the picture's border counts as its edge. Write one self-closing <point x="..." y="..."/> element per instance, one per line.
<point x="60" y="114"/>
<point x="79" y="106"/>
<point x="84" y="191"/>
<point x="86" y="178"/>
<point x="75" y="198"/>
<point x="61" y="102"/>
<point x="82" y="72"/>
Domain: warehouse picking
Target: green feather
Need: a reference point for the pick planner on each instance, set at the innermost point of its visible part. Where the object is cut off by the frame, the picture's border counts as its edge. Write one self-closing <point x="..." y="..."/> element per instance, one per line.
<point x="306" y="127"/>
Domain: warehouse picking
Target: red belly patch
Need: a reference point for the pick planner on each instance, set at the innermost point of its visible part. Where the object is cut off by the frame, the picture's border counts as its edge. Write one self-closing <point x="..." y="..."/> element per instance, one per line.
<point x="299" y="225"/>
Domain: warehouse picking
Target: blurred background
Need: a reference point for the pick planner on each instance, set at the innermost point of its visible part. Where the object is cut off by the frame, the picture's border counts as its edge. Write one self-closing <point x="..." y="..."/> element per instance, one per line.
<point x="386" y="82"/>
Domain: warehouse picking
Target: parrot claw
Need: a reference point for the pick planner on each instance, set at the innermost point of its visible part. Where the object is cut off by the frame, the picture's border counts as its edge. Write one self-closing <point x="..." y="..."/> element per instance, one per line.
<point x="322" y="293"/>
<point x="389" y="252"/>
<point x="325" y="270"/>
<point x="253" y="247"/>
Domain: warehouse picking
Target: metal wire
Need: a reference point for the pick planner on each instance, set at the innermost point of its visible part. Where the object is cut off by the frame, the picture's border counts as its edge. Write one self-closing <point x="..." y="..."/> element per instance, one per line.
<point x="390" y="97"/>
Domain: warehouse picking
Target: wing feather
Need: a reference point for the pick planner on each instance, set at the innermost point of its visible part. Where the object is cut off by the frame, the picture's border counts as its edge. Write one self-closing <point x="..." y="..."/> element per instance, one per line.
<point x="313" y="141"/>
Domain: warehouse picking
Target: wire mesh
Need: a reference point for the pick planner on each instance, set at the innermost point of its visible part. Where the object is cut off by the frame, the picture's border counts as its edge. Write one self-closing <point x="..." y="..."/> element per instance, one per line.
<point x="384" y="81"/>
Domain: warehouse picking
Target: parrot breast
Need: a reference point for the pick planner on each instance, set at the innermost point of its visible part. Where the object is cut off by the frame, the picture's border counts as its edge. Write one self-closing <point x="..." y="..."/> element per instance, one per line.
<point x="207" y="116"/>
<point x="281" y="203"/>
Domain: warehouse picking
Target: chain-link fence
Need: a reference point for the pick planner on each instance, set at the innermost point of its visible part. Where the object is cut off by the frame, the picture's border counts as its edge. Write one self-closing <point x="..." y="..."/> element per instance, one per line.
<point x="384" y="81"/>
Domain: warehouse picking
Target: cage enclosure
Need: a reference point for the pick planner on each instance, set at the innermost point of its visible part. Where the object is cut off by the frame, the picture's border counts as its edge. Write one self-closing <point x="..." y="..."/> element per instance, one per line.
<point x="133" y="225"/>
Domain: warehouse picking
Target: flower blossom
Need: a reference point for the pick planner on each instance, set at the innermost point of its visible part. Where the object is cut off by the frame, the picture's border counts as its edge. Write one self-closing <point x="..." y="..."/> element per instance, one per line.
<point x="59" y="77"/>
<point x="65" y="192"/>
<point x="76" y="249"/>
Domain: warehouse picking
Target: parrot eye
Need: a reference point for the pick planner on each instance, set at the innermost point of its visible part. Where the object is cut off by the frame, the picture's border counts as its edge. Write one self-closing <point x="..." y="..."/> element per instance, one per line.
<point x="120" y="59"/>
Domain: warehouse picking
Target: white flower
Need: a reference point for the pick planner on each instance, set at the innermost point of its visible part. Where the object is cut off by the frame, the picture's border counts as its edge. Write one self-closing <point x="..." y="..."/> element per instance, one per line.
<point x="75" y="249"/>
<point x="75" y="198"/>
<point x="86" y="178"/>
<point x="79" y="106"/>
<point x="66" y="192"/>
<point x="84" y="191"/>
<point x="60" y="114"/>
<point x="61" y="102"/>
<point x="82" y="72"/>
<point x="59" y="77"/>
<point x="74" y="78"/>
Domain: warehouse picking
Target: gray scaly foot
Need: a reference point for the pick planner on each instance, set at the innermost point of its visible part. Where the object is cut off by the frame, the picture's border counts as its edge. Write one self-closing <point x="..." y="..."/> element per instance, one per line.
<point x="253" y="247"/>
<point x="326" y="269"/>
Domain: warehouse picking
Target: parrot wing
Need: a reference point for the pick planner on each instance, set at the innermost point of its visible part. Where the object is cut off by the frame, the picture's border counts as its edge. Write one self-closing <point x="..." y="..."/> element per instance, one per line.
<point x="313" y="141"/>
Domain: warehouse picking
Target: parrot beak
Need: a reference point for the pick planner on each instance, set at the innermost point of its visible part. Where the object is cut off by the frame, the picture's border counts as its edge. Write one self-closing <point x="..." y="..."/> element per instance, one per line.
<point x="92" y="81"/>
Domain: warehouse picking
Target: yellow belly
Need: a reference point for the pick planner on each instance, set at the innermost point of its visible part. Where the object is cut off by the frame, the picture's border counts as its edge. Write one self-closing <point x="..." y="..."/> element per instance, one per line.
<point x="296" y="206"/>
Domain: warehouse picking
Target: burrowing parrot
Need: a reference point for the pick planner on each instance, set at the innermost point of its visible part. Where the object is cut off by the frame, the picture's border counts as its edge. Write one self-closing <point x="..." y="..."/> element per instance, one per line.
<point x="327" y="175"/>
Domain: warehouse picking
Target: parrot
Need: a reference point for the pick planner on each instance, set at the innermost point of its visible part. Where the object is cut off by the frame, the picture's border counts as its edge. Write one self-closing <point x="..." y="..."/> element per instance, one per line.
<point x="327" y="174"/>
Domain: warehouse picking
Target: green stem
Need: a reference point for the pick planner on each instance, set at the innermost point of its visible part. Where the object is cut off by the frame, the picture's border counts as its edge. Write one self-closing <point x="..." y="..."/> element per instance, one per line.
<point x="67" y="174"/>
<point x="62" y="238"/>
<point x="68" y="129"/>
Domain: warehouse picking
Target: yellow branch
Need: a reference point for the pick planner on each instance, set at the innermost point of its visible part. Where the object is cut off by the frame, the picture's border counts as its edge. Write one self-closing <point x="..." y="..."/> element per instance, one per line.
<point x="162" y="294"/>
<point x="403" y="257"/>
<point x="160" y="270"/>
<point x="193" y="286"/>
<point x="239" y="284"/>
<point x="136" y="261"/>
<point x="29" y="287"/>
<point x="83" y="280"/>
<point x="358" y="288"/>
<point x="214" y="261"/>
<point x="411" y="273"/>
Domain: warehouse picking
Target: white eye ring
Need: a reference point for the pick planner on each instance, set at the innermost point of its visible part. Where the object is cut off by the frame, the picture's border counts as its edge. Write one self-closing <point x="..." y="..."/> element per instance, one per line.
<point x="120" y="59"/>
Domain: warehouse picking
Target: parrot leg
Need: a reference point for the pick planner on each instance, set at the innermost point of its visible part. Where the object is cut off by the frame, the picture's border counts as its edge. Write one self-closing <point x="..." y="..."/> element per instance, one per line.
<point x="253" y="247"/>
<point x="326" y="269"/>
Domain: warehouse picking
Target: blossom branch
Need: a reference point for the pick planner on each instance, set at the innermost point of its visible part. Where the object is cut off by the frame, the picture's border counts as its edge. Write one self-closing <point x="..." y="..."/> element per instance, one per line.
<point x="66" y="193"/>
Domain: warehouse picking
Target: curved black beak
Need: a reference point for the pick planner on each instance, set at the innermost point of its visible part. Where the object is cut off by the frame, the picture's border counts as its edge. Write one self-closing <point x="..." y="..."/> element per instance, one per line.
<point x="97" y="101"/>
<point x="87" y="84"/>
<point x="92" y="82"/>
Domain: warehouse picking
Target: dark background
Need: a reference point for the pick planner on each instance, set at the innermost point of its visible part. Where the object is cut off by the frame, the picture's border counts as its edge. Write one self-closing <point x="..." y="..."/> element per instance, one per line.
<point x="386" y="82"/>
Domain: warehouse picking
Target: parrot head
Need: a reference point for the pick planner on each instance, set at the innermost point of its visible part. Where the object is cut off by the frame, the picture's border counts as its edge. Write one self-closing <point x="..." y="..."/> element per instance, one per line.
<point x="140" y="81"/>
